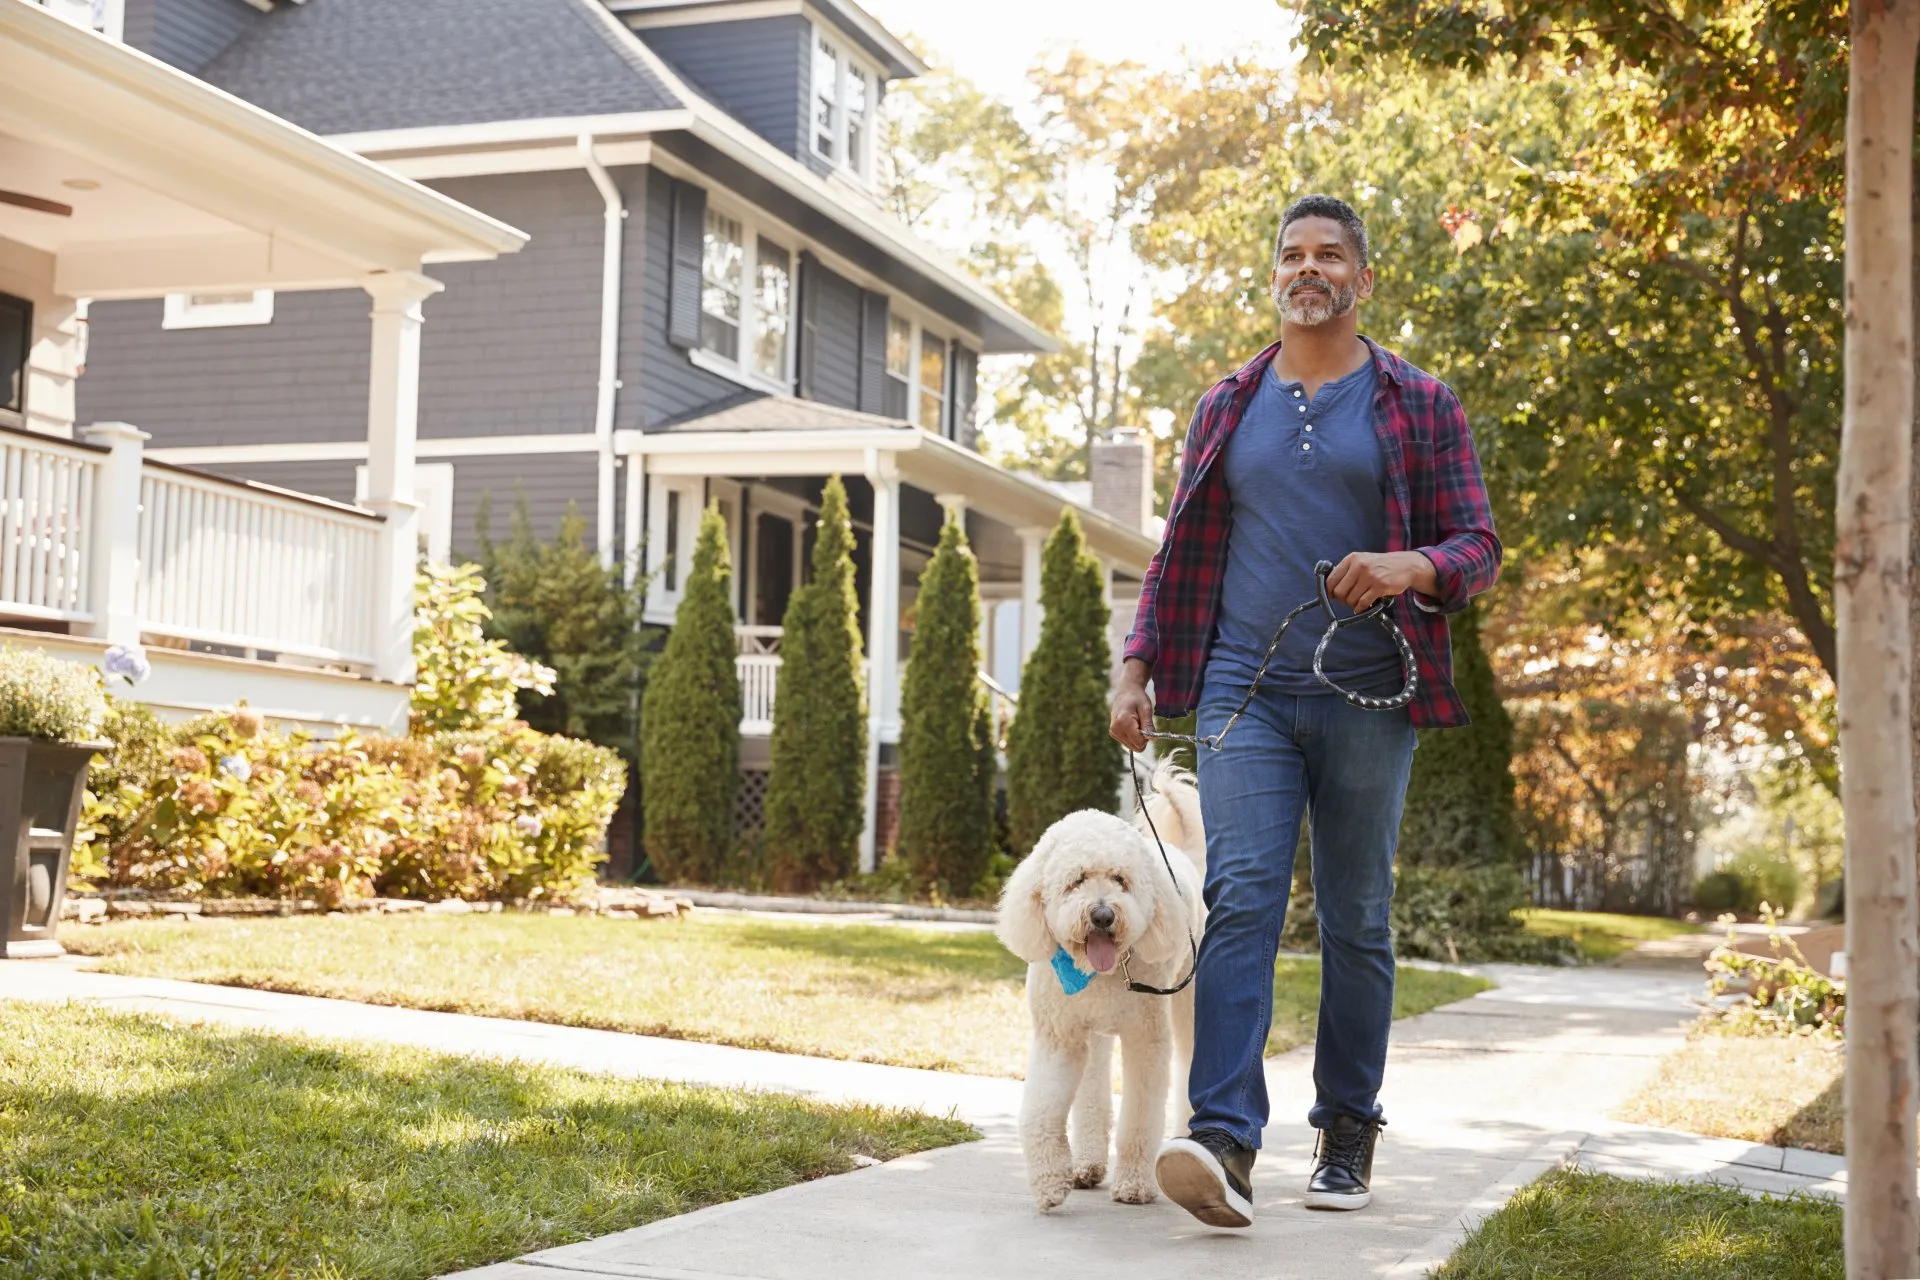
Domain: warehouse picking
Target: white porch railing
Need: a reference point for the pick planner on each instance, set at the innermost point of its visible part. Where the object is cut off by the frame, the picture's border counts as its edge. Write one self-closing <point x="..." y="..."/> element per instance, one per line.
<point x="255" y="568"/>
<point x="46" y="502"/>
<point x="121" y="548"/>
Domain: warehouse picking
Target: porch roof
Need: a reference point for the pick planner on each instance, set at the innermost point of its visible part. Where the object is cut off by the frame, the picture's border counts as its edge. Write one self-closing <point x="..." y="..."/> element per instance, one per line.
<point x="769" y="435"/>
<point x="147" y="181"/>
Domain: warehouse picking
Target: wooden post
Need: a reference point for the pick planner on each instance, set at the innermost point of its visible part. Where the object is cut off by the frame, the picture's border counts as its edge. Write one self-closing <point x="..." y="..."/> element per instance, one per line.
<point x="1871" y="579"/>
<point x="883" y="641"/>
<point x="393" y="418"/>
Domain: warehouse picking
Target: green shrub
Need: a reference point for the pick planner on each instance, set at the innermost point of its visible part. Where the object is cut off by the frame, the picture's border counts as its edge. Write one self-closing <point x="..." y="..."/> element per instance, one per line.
<point x="690" y="723"/>
<point x="463" y="679"/>
<point x="120" y="786"/>
<point x="1060" y="758"/>
<point x="1460" y="807"/>
<point x="1778" y="994"/>
<point x="1722" y="891"/>
<point x="816" y="794"/>
<point x="946" y="737"/>
<point x="45" y="697"/>
<point x="1464" y="914"/>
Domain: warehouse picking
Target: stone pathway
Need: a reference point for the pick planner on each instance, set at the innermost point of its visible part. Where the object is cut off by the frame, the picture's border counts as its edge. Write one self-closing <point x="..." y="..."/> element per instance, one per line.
<point x="1482" y="1097"/>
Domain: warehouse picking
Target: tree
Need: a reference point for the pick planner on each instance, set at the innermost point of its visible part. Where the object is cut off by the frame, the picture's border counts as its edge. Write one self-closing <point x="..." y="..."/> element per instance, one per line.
<point x="555" y="602"/>
<point x="463" y="678"/>
<point x="690" y="722"/>
<point x="1059" y="756"/>
<point x="816" y="796"/>
<point x="946" y="734"/>
<point x="1459" y="808"/>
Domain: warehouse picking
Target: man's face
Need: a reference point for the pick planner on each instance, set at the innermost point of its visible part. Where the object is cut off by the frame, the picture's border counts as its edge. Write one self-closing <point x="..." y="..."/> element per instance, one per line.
<point x="1316" y="276"/>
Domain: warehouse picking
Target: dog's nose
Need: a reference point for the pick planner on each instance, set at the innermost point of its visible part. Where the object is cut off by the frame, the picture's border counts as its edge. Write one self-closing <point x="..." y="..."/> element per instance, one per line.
<point x="1102" y="916"/>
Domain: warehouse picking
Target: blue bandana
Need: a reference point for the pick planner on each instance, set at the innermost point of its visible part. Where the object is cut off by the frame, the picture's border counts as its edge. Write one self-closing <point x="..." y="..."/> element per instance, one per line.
<point x="1072" y="980"/>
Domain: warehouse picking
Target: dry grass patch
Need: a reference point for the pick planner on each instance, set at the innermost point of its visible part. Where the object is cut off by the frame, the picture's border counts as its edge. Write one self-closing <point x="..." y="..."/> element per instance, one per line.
<point x="1780" y="1090"/>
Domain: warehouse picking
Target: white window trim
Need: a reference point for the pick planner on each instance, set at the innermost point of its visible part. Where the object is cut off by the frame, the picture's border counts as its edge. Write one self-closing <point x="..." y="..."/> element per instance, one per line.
<point x="433" y="490"/>
<point x="922" y="330"/>
<point x="662" y="604"/>
<point x="840" y="42"/>
<point x="752" y="231"/>
<point x="182" y="312"/>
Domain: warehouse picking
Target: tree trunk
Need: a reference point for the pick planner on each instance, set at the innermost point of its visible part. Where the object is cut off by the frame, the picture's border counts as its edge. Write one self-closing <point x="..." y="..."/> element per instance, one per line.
<point x="1875" y="653"/>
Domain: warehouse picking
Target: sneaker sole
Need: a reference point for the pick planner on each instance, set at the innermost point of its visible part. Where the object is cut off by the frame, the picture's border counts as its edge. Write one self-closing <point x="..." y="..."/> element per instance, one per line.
<point x="1190" y="1178"/>
<point x="1336" y="1200"/>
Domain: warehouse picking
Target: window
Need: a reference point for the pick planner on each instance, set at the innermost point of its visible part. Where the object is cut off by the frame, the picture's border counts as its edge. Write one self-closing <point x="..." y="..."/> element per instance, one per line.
<point x="845" y="92"/>
<point x="16" y="342"/>
<point x="899" y="382"/>
<point x="670" y="570"/>
<point x="217" y="310"/>
<point x="933" y="383"/>
<point x="773" y="306"/>
<point x="722" y="268"/>
<point x="674" y="507"/>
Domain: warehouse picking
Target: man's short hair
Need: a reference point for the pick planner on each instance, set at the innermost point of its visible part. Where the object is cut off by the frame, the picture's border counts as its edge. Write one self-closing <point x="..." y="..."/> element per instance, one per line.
<point x="1326" y="207"/>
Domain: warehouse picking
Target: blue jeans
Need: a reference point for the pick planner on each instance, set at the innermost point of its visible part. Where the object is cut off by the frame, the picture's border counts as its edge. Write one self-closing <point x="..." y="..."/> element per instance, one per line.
<point x="1346" y="768"/>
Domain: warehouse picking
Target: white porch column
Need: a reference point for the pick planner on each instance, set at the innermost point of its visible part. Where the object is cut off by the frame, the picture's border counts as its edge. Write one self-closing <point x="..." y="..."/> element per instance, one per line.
<point x="393" y="422"/>
<point x="1032" y="542"/>
<point x="114" y="529"/>
<point x="883" y="641"/>
<point x="955" y="505"/>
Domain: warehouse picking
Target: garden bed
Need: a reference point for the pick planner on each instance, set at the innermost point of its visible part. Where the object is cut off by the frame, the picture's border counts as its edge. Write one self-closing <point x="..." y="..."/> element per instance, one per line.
<point x="133" y="1146"/>
<point x="1784" y="1091"/>
<point x="936" y="998"/>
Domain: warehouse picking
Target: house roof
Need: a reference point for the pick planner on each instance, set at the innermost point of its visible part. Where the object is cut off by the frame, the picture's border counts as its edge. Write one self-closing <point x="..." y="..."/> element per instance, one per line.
<point x="762" y="411"/>
<point x="856" y="22"/>
<point x="352" y="66"/>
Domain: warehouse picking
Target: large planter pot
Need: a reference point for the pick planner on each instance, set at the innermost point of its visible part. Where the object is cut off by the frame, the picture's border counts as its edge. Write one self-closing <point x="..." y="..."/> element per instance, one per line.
<point x="41" y="787"/>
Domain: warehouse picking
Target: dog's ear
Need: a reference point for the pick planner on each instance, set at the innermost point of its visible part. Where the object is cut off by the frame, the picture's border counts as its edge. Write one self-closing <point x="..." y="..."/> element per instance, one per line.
<point x="1170" y="932"/>
<point x="1022" y="926"/>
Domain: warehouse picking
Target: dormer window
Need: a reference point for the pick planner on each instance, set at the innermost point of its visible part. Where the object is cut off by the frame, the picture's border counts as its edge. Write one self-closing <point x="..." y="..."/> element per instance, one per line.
<point x="844" y="92"/>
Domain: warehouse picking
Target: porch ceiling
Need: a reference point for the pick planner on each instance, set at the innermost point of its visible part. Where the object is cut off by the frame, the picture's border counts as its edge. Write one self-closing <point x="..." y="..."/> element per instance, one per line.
<point x="174" y="186"/>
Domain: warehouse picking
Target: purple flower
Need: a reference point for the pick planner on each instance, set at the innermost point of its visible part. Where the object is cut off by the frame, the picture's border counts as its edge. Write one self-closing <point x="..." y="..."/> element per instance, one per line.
<point x="236" y="766"/>
<point x="129" y="662"/>
<point x="530" y="823"/>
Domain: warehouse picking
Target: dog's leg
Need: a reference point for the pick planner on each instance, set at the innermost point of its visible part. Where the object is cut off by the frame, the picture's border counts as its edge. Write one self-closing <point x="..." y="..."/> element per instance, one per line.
<point x="1053" y="1073"/>
<point x="1182" y="1057"/>
<point x="1093" y="1115"/>
<point x="1144" y="1051"/>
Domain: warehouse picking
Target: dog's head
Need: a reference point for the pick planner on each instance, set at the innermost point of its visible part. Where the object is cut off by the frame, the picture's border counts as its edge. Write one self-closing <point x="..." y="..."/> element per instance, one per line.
<point x="1095" y="886"/>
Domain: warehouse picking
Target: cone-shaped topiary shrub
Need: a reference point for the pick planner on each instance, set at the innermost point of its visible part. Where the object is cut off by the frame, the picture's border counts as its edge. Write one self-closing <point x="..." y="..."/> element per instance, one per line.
<point x="816" y="795"/>
<point x="1059" y="756"/>
<point x="1460" y="809"/>
<point x="690" y="723"/>
<point x="946" y="747"/>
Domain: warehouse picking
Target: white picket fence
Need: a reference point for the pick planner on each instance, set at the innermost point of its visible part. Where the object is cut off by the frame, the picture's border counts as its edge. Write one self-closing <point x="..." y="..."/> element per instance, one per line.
<point x="242" y="567"/>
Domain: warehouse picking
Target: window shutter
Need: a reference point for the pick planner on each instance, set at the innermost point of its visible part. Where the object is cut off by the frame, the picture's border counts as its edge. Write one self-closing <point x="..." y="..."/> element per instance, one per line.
<point x="873" y="351"/>
<point x="809" y="323"/>
<point x="966" y="368"/>
<point x="688" y="234"/>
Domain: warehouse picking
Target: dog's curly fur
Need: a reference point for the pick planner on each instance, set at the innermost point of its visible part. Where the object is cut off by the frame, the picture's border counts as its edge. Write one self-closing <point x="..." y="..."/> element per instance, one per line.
<point x="1085" y="860"/>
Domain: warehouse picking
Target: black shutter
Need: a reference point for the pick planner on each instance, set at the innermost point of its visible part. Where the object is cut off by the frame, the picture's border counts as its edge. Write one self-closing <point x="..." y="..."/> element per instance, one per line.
<point x="688" y="234"/>
<point x="966" y="369"/>
<point x="809" y="324"/>
<point x="873" y="350"/>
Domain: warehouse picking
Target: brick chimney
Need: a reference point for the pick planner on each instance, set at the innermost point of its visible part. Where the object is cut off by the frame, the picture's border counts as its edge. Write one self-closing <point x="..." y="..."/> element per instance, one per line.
<point x="1123" y="476"/>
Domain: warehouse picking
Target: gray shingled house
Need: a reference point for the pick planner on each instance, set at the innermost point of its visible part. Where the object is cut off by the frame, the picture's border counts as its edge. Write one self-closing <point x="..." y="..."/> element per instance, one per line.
<point x="713" y="306"/>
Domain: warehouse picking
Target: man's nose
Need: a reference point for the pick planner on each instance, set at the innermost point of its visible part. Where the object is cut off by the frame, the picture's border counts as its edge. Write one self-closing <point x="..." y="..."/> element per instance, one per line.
<point x="1102" y="916"/>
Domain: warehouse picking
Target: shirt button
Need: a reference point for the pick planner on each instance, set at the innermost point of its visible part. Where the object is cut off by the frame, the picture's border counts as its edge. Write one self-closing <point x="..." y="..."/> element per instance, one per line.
<point x="1309" y="426"/>
<point x="1308" y="445"/>
<point x="1296" y="393"/>
<point x="1302" y="408"/>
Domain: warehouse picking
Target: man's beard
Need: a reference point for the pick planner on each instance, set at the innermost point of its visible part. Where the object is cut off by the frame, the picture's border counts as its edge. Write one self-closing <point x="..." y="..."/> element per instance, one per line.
<point x="1306" y="304"/>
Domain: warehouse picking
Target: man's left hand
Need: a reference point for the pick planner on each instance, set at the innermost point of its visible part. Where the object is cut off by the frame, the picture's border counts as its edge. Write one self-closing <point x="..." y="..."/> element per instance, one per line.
<point x="1366" y="576"/>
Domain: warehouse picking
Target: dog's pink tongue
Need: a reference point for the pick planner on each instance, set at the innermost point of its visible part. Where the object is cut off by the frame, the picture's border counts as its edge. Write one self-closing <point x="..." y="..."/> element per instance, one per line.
<point x="1100" y="951"/>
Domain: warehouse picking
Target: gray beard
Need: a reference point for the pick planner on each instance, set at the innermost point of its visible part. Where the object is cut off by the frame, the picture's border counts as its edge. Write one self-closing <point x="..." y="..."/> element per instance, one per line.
<point x="1310" y="307"/>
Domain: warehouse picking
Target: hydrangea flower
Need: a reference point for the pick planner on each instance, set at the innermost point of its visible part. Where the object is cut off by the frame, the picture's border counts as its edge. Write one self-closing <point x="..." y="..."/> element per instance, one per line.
<point x="530" y="823"/>
<point x="129" y="662"/>
<point x="236" y="766"/>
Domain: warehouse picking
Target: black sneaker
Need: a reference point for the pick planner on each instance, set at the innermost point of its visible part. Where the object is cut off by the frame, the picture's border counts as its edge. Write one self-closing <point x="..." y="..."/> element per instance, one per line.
<point x="1209" y="1175"/>
<point x="1343" y="1164"/>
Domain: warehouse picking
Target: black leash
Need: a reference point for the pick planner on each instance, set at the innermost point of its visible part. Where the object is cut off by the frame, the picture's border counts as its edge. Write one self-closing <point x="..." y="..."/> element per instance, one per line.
<point x="1378" y="610"/>
<point x="1143" y="988"/>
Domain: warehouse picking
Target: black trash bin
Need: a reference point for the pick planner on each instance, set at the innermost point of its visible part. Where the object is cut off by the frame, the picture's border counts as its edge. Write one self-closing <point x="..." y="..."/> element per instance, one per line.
<point x="41" y="787"/>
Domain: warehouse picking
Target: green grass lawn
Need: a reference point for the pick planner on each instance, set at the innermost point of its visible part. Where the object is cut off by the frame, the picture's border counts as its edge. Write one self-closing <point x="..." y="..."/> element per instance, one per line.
<point x="1585" y="1226"/>
<point x="131" y="1146"/>
<point x="913" y="997"/>
<point x="1603" y="935"/>
<point x="1780" y="1090"/>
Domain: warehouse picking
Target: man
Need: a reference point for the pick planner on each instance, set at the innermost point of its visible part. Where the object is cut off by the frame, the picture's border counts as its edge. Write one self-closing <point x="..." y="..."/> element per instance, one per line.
<point x="1324" y="447"/>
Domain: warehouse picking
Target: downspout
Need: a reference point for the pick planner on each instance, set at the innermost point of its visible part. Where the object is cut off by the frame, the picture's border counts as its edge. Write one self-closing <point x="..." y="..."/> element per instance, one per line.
<point x="609" y="341"/>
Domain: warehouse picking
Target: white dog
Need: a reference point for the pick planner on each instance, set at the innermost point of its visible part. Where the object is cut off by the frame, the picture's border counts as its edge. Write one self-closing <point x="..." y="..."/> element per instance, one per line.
<point x="1097" y="889"/>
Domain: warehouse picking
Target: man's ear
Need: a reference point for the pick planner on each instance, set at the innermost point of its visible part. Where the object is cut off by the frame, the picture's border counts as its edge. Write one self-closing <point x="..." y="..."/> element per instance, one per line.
<point x="1363" y="284"/>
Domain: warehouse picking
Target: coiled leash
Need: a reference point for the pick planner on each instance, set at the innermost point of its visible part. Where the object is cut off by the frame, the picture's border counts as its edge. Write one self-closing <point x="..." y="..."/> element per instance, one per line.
<point x="1379" y="610"/>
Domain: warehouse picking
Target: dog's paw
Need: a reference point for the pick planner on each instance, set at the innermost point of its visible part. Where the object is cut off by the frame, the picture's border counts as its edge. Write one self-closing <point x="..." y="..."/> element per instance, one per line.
<point x="1135" y="1191"/>
<point x="1051" y="1194"/>
<point x="1088" y="1176"/>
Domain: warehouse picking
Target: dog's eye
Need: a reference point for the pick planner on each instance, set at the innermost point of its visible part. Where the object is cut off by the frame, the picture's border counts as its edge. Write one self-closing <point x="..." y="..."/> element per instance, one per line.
<point x="1122" y="882"/>
<point x="1077" y="882"/>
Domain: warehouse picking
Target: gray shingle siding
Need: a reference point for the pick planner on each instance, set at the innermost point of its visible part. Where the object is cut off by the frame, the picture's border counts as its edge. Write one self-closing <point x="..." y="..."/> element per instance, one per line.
<point x="756" y="69"/>
<point x="186" y="33"/>
<point x="322" y="479"/>
<point x="345" y="66"/>
<point x="549" y="480"/>
<point x="301" y="378"/>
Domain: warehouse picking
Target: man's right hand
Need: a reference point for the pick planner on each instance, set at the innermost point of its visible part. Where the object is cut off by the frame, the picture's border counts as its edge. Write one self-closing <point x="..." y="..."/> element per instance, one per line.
<point x="1132" y="707"/>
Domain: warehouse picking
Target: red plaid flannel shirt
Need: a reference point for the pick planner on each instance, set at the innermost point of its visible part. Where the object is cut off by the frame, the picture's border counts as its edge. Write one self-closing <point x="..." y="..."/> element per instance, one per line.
<point x="1436" y="504"/>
